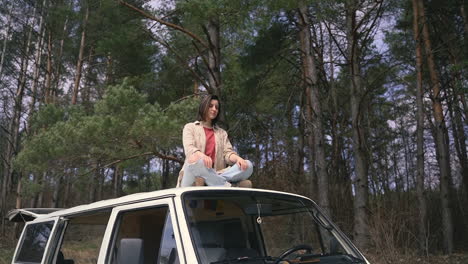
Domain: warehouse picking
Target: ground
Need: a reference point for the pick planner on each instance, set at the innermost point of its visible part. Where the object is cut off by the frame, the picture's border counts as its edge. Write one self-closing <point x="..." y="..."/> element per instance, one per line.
<point x="458" y="258"/>
<point x="7" y="248"/>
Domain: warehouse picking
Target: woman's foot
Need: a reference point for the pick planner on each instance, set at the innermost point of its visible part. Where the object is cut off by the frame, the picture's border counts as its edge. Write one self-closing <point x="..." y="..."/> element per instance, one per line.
<point x="243" y="184"/>
<point x="199" y="181"/>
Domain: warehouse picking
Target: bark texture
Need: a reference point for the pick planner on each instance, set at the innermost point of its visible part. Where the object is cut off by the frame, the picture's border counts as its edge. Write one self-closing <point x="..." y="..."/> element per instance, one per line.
<point x="440" y="133"/>
<point x="420" y="133"/>
<point x="79" y="63"/>
<point x="359" y="142"/>
<point x="309" y="70"/>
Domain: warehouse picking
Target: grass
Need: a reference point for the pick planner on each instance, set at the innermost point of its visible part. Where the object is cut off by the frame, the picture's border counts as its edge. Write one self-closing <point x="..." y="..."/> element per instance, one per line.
<point x="87" y="253"/>
<point x="457" y="258"/>
<point x="5" y="255"/>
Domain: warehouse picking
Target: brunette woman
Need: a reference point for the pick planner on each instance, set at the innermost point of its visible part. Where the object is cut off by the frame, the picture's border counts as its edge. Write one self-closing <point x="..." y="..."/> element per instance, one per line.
<point x="208" y="151"/>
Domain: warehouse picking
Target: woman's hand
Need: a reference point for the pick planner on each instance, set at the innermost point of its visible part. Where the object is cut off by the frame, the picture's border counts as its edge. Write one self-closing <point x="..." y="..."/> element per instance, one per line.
<point x="201" y="156"/>
<point x="242" y="163"/>
<point x="207" y="161"/>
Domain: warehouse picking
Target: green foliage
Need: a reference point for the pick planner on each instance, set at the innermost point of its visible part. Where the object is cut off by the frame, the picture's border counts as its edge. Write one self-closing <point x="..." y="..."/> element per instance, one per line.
<point x="29" y="189"/>
<point x="6" y="254"/>
<point x="201" y="11"/>
<point x="121" y="125"/>
<point x="135" y="83"/>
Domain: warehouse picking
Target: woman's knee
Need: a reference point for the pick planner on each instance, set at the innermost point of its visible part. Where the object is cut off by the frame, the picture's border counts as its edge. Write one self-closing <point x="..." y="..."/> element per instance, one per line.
<point x="193" y="159"/>
<point x="249" y="169"/>
<point x="195" y="166"/>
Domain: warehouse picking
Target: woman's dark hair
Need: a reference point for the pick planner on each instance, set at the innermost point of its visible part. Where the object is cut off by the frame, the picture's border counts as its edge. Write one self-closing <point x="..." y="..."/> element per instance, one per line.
<point x="205" y="105"/>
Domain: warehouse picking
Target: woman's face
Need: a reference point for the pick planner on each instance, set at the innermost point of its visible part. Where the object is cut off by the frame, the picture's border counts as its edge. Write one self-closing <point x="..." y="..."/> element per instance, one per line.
<point x="212" y="110"/>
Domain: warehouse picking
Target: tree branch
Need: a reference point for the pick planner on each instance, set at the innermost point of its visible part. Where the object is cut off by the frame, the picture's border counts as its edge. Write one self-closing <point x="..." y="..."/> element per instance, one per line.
<point x="174" y="26"/>
<point x="208" y="87"/>
<point x="149" y="153"/>
<point x="181" y="61"/>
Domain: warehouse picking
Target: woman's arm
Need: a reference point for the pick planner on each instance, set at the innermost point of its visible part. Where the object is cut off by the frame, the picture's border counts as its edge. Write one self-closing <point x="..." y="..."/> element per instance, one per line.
<point x="234" y="158"/>
<point x="188" y="140"/>
<point x="230" y="155"/>
<point x="192" y="153"/>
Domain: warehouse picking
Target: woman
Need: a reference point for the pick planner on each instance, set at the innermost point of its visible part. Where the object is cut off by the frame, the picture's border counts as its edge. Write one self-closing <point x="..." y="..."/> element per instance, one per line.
<point x="207" y="151"/>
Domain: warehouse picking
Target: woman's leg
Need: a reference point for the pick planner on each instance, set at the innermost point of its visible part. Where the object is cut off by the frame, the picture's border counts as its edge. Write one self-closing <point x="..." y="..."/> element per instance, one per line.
<point x="235" y="174"/>
<point x="198" y="169"/>
<point x="243" y="184"/>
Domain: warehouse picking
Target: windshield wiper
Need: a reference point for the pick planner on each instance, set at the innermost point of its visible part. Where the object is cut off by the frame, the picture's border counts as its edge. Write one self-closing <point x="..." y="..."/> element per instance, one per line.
<point x="242" y="259"/>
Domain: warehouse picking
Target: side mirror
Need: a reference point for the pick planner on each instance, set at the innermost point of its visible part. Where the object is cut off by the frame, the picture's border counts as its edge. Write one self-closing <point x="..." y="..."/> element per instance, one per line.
<point x="130" y="251"/>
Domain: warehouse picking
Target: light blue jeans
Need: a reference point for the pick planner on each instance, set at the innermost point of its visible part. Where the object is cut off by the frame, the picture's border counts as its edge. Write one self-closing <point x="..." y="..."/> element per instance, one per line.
<point x="212" y="178"/>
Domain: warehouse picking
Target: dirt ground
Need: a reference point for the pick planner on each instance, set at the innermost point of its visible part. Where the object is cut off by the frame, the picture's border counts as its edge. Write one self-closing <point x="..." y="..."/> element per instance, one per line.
<point x="457" y="258"/>
<point x="7" y="249"/>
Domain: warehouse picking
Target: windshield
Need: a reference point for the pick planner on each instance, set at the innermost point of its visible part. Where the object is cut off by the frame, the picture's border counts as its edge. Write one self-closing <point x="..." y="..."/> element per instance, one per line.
<point x="255" y="227"/>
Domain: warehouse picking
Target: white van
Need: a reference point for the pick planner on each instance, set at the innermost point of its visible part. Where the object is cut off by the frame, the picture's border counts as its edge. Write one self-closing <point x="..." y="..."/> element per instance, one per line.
<point x="209" y="225"/>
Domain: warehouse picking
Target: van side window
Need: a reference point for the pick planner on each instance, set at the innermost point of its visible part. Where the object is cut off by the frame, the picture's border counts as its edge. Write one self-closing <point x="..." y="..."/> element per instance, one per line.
<point x="168" y="250"/>
<point x="140" y="237"/>
<point x="82" y="239"/>
<point x="34" y="242"/>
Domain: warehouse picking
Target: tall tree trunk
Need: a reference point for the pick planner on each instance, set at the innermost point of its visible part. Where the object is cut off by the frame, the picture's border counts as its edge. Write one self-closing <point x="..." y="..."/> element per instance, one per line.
<point x="460" y="142"/>
<point x="37" y="63"/>
<point x="19" y="200"/>
<point x="300" y="154"/>
<point x="214" y="56"/>
<point x="93" y="180"/>
<point x="55" y="203"/>
<point x="459" y="137"/>
<point x="19" y="204"/>
<point x="90" y="76"/>
<point x="43" y="189"/>
<point x="165" y="173"/>
<point x="440" y="135"/>
<point x="58" y="61"/>
<point x="100" y="188"/>
<point x="79" y="63"/>
<point x="34" y="199"/>
<point x="67" y="193"/>
<point x="456" y="104"/>
<point x="338" y="183"/>
<point x="5" y="39"/>
<point x="361" y="226"/>
<point x="109" y="69"/>
<point x="336" y="153"/>
<point x="422" y="221"/>
<point x="213" y="62"/>
<point x="309" y="68"/>
<point x="311" y="178"/>
<point x="11" y="148"/>
<point x="465" y="23"/>
<point x="465" y="53"/>
<point x="117" y="181"/>
<point x="48" y="79"/>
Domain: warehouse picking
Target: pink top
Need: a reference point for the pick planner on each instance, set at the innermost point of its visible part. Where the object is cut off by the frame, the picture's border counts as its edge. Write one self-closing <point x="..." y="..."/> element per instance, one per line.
<point x="210" y="149"/>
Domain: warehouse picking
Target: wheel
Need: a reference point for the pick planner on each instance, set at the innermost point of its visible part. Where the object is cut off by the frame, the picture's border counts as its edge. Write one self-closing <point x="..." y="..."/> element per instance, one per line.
<point x="292" y="250"/>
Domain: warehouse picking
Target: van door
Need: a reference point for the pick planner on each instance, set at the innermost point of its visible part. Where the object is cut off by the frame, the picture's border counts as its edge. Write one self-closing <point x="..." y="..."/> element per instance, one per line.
<point x="36" y="239"/>
<point x="141" y="233"/>
<point x="81" y="240"/>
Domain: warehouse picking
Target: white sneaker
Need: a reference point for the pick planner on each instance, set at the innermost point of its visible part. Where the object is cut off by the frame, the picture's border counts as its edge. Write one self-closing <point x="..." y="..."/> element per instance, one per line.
<point x="227" y="184"/>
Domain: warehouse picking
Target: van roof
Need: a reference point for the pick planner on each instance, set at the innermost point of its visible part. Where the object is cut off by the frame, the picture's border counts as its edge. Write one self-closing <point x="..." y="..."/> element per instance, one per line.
<point x="145" y="196"/>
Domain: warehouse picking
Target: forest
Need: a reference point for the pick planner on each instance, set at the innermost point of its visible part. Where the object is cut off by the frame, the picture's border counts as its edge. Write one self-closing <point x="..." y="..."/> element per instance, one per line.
<point x="360" y="105"/>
